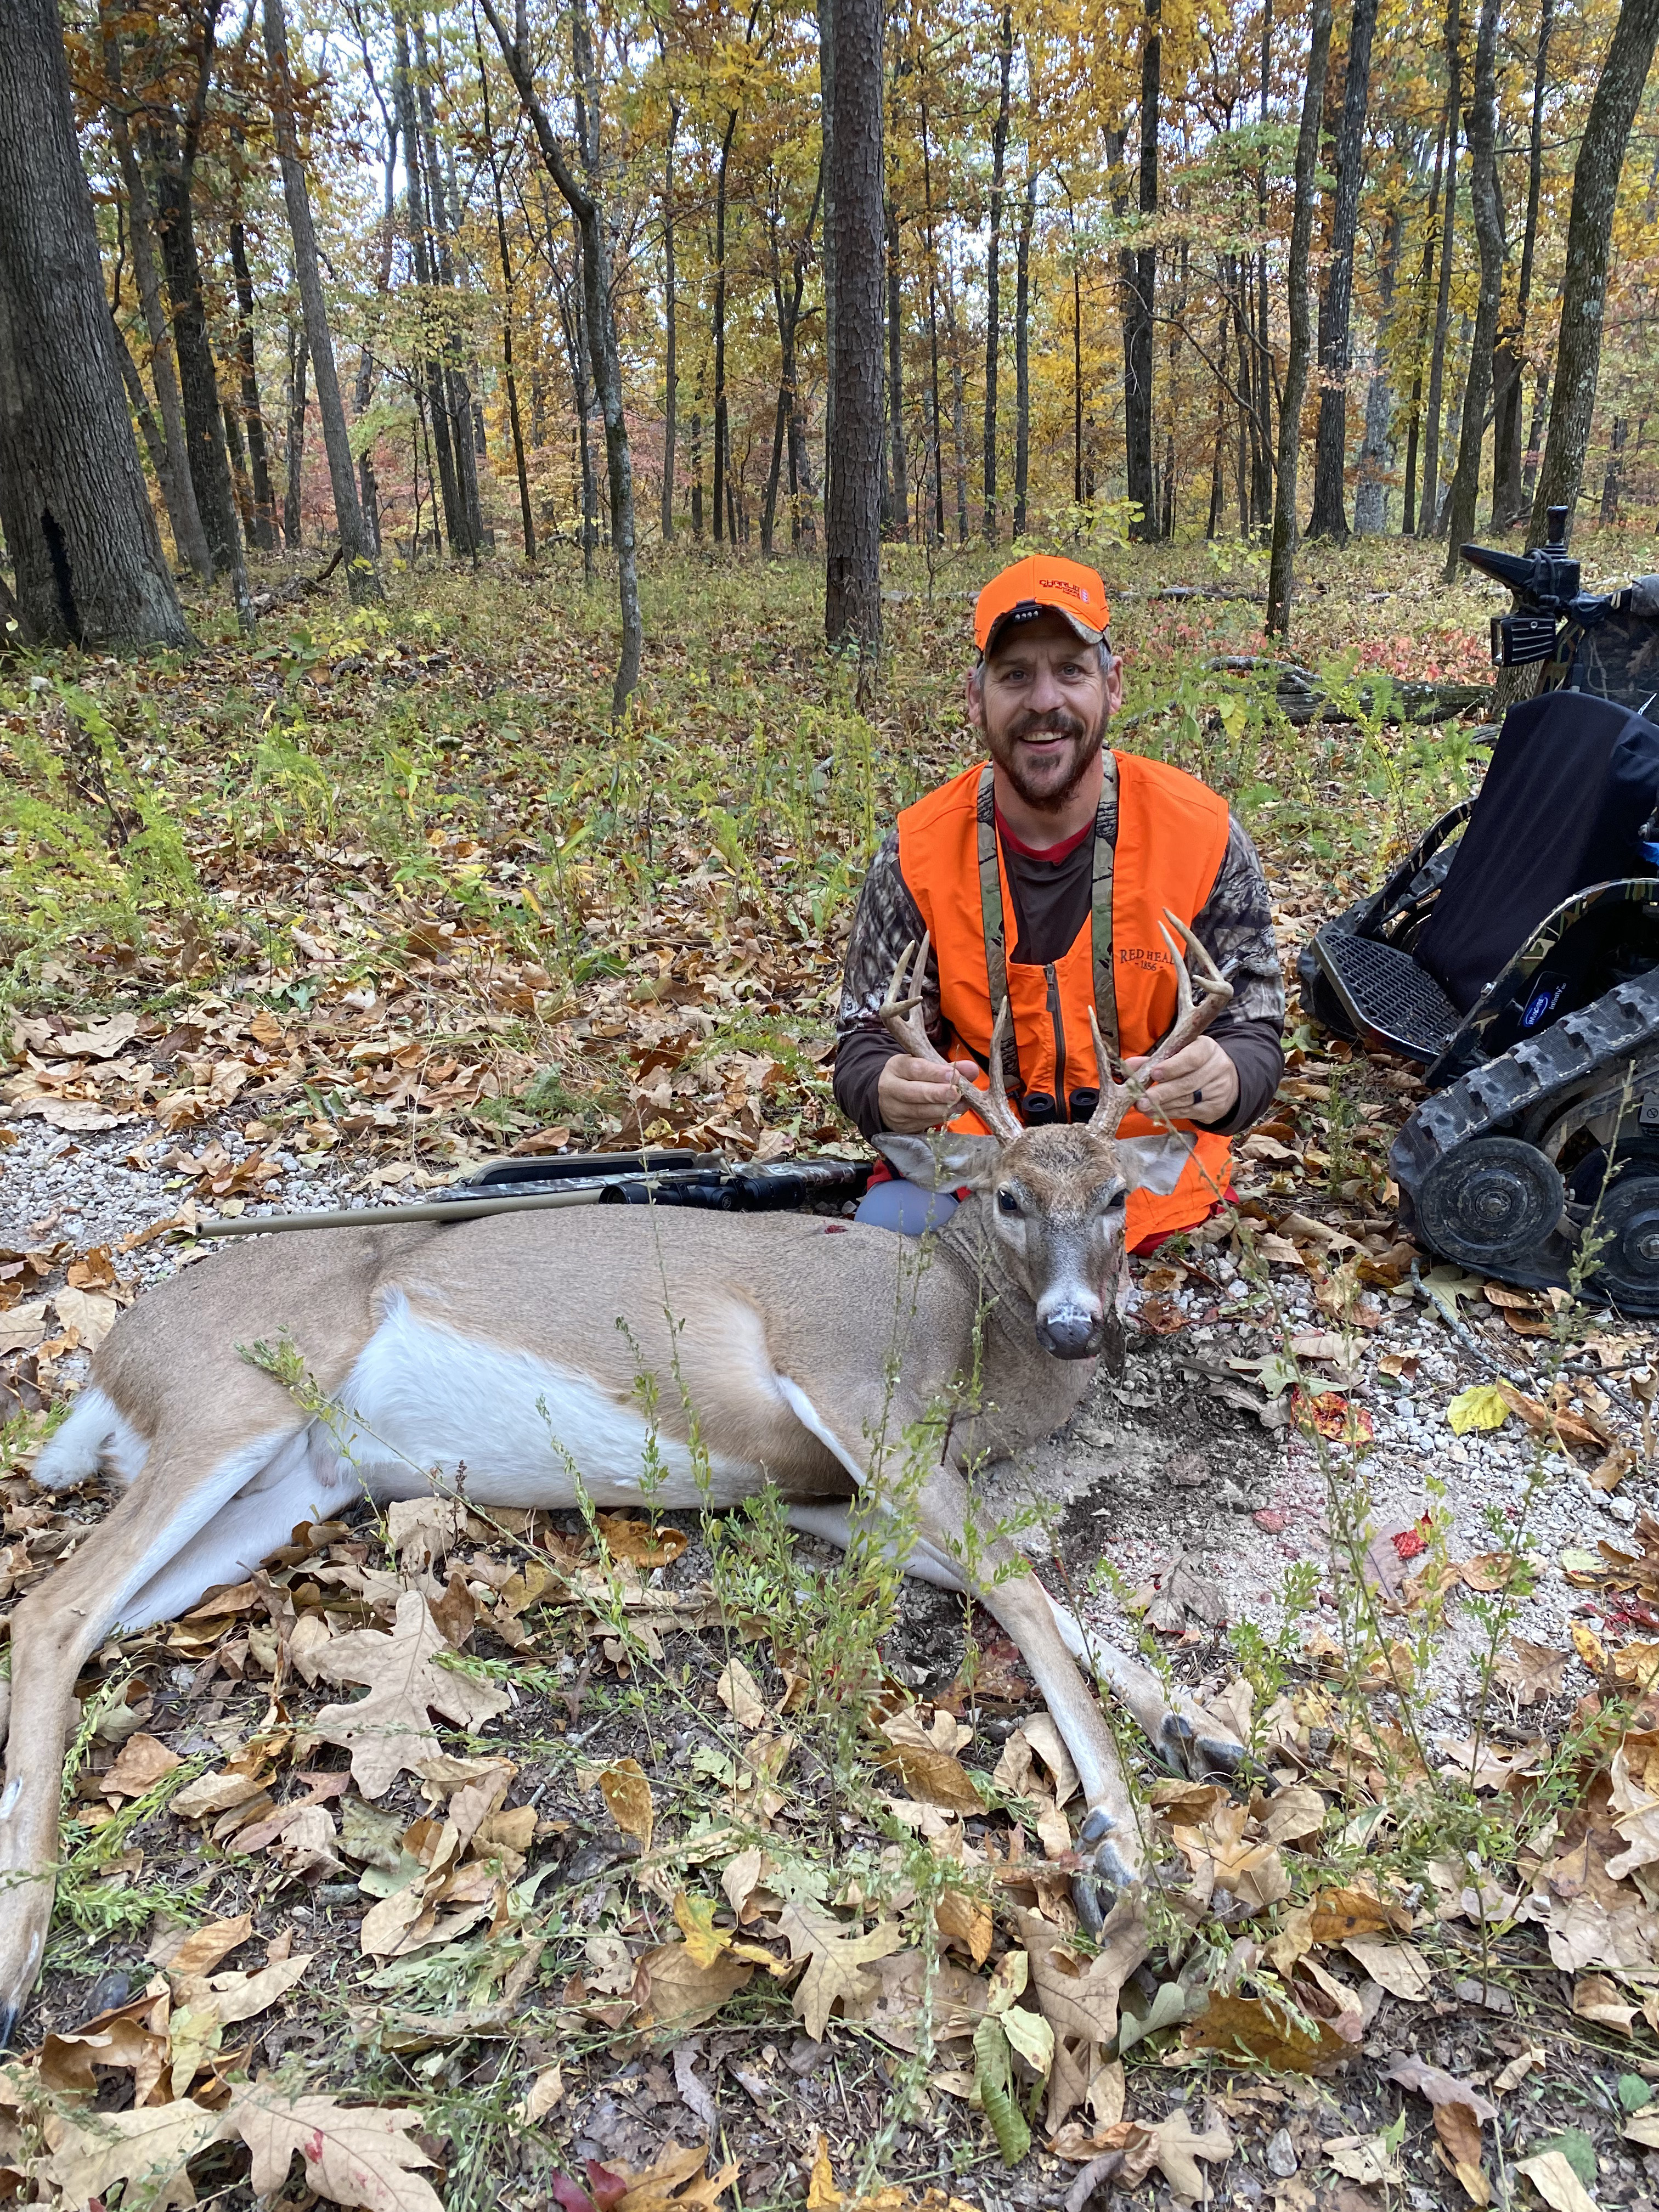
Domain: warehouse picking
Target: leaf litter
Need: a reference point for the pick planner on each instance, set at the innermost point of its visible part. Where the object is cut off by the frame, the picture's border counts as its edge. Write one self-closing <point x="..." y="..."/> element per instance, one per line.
<point x="516" y="1876"/>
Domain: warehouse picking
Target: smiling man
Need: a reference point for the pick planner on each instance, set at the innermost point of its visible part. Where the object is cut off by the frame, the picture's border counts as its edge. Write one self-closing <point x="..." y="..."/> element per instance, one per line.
<point x="1041" y="877"/>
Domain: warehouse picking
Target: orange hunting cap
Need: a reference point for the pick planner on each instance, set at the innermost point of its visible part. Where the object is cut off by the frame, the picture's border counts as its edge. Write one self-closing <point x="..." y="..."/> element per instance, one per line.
<point x="1040" y="581"/>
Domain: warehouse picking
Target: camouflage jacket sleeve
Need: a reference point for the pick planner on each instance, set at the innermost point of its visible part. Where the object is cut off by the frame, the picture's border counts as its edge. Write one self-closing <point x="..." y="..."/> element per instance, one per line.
<point x="886" y="920"/>
<point x="1236" y="923"/>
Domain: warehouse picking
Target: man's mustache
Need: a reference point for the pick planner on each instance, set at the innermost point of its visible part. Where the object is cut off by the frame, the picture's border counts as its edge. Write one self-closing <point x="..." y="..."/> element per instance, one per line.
<point x="1057" y="723"/>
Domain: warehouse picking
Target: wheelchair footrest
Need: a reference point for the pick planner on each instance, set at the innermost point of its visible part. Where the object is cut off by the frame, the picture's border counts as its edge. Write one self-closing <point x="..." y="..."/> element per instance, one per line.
<point x="1392" y="1003"/>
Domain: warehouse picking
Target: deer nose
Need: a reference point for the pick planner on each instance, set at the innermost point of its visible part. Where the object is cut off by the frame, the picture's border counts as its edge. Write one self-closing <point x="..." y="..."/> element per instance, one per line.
<point x="1070" y="1332"/>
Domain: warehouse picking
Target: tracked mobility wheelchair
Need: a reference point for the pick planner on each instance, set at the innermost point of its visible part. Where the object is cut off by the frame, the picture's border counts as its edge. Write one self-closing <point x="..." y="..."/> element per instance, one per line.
<point x="1513" y="954"/>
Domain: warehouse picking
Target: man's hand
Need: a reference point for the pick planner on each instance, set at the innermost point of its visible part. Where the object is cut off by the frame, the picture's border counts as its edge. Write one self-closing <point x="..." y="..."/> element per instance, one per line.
<point x="1197" y="1083"/>
<point x="915" y="1094"/>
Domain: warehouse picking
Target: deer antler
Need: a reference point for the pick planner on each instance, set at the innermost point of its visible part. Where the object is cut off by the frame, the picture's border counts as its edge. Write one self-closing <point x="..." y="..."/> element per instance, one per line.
<point x="1191" y="1020"/>
<point x="901" y="1016"/>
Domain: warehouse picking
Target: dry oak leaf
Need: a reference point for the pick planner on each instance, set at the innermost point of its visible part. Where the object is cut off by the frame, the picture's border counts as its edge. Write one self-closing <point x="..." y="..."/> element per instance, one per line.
<point x="143" y="1760"/>
<point x="1459" y="2111"/>
<point x="838" y="1962"/>
<point x="1341" y="1913"/>
<point x="638" y="1542"/>
<point x="933" y="1778"/>
<point x="1595" y="1997"/>
<point x="1400" y="1968"/>
<point x="1533" y="1671"/>
<point x="1079" y="1998"/>
<point x="738" y="1691"/>
<point x="1174" y="2145"/>
<point x="683" y="1991"/>
<point x="677" y="2181"/>
<point x="1266" y="2034"/>
<point x="626" y="1795"/>
<point x="1553" y="2177"/>
<point x="390" y="1731"/>
<point x="354" y="2155"/>
<point x="147" y="2149"/>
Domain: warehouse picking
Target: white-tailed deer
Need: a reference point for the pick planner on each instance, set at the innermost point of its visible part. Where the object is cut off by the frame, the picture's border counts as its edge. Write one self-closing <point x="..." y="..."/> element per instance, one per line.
<point x="512" y="1347"/>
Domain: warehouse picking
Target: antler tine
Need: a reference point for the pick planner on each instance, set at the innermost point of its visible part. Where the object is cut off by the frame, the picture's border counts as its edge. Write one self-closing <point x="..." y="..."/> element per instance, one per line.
<point x="1192" y="1019"/>
<point x="1116" y="1098"/>
<point x="992" y="1106"/>
<point x="900" y="1013"/>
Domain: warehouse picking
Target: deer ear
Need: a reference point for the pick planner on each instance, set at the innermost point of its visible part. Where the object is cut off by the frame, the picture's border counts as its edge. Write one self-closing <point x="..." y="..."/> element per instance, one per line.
<point x="1153" y="1163"/>
<point x="942" y="1160"/>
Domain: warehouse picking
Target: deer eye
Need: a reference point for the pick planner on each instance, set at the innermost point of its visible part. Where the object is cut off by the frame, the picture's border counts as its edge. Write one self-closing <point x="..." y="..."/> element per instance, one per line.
<point x="1007" y="1202"/>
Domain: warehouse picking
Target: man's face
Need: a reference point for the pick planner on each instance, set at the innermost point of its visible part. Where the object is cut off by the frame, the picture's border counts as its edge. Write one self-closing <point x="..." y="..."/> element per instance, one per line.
<point x="1042" y="702"/>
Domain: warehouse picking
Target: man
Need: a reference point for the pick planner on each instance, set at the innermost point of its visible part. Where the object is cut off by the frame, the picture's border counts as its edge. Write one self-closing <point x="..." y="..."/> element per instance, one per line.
<point x="1043" y="877"/>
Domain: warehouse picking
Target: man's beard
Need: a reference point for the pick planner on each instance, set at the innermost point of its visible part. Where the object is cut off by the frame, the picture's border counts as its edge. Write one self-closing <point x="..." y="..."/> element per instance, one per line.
<point x="1049" y="798"/>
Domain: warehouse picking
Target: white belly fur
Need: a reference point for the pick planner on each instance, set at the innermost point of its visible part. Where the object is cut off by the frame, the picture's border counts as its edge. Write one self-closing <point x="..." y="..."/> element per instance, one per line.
<point x="423" y="1397"/>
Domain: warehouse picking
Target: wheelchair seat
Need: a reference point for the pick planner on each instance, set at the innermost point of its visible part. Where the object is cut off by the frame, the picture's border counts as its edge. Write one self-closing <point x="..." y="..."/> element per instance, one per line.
<point x="1573" y="781"/>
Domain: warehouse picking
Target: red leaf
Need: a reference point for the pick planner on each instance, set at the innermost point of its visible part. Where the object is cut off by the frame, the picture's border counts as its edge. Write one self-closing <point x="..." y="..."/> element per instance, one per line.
<point x="570" y="2197"/>
<point x="608" y="2188"/>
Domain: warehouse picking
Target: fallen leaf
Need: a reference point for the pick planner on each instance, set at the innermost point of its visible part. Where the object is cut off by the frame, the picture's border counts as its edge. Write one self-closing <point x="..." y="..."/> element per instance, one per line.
<point x="935" y="1777"/>
<point x="358" y="2154"/>
<point x="626" y="1795"/>
<point x="389" y="1731"/>
<point x="1364" y="2159"/>
<point x="683" y="1992"/>
<point x="1266" y="2035"/>
<point x="1597" y="1998"/>
<point x="1533" y="1671"/>
<point x="140" y="1764"/>
<point x="639" y="1542"/>
<point x="147" y="2149"/>
<point x="1482" y="1406"/>
<point x="676" y="2183"/>
<point x="838" y="1961"/>
<point x="1400" y="1968"/>
<point x="1556" y="2182"/>
<point x="738" y="1691"/>
<point x="545" y="2093"/>
<point x="90" y="1314"/>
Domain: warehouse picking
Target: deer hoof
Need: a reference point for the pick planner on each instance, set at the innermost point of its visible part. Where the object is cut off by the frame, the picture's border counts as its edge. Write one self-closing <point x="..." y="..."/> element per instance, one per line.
<point x="1106" y="1873"/>
<point x="1197" y="1757"/>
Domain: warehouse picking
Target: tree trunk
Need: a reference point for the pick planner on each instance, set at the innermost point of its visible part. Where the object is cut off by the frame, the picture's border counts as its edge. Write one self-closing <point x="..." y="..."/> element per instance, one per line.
<point x="1425" y="284"/>
<point x="1138" y="302"/>
<point x="264" y="506"/>
<point x="1329" y="516"/>
<point x="1428" y="514"/>
<point x="936" y="529"/>
<point x="670" y="308"/>
<point x="958" y="402"/>
<point x="1541" y="395"/>
<point x="1280" y="575"/>
<point x="173" y="469"/>
<point x="992" y="273"/>
<point x="466" y="534"/>
<point x="1508" y="501"/>
<point x="138" y="399"/>
<point x="723" y="419"/>
<point x="361" y="580"/>
<point x="421" y="235"/>
<point x="696" y="464"/>
<point x="1261" y="486"/>
<point x="1590" y="227"/>
<point x="1370" y="496"/>
<point x="526" y="516"/>
<point x="901" y="494"/>
<point x="854" y="178"/>
<point x="291" y="522"/>
<point x="1022" y="353"/>
<point x="88" y="557"/>
<point x="1488" y="212"/>
<point x="583" y="202"/>
<point x="1611" y="481"/>
<point x="172" y="153"/>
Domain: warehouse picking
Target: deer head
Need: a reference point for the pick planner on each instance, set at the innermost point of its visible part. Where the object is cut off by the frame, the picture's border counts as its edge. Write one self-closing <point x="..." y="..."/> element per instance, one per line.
<point x="1056" y="1196"/>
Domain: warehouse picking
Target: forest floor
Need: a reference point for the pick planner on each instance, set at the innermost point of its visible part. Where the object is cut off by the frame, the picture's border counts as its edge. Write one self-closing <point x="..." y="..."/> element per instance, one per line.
<point x="732" y="1846"/>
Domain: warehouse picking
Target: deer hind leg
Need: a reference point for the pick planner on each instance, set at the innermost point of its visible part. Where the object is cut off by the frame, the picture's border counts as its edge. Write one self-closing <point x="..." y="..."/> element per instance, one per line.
<point x="204" y="1510"/>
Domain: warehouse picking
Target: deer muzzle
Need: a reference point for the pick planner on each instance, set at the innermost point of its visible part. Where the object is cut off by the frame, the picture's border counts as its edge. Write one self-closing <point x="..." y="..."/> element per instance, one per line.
<point x="1070" y="1326"/>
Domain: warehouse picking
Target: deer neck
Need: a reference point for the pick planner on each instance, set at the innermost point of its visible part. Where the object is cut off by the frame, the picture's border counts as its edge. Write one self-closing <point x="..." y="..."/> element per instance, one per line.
<point x="1027" y="1392"/>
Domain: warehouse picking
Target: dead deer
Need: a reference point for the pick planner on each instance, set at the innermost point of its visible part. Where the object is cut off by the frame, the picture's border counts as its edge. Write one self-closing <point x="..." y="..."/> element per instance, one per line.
<point x="512" y="1347"/>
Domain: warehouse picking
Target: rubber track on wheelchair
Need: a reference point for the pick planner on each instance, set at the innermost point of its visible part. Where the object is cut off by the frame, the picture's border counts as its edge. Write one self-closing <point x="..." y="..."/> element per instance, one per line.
<point x="1621" y="1023"/>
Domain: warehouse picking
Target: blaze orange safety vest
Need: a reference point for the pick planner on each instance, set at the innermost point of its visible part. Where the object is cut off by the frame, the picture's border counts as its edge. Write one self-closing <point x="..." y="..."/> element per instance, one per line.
<point x="1171" y="837"/>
